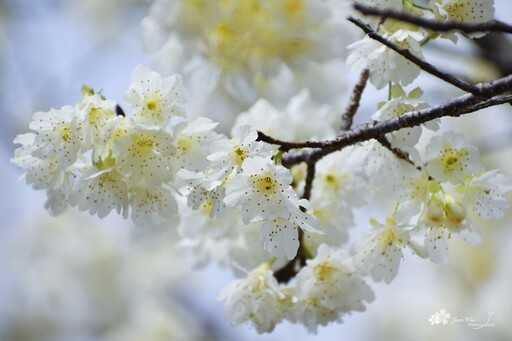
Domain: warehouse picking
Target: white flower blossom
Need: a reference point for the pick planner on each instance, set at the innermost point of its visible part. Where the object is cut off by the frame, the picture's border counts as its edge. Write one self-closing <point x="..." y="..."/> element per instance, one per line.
<point x="193" y="142"/>
<point x="254" y="299"/>
<point x="153" y="206"/>
<point x="56" y="136"/>
<point x="101" y="190"/>
<point x="339" y="177"/>
<point x="450" y="158"/>
<point x="472" y="11"/>
<point x="296" y="116"/>
<point x="335" y="219"/>
<point x="239" y="45"/>
<point x="485" y="194"/>
<point x="145" y="156"/>
<point x="443" y="217"/>
<point x="400" y="104"/>
<point x="230" y="154"/>
<point x="280" y="235"/>
<point x="386" y="65"/>
<point x="155" y="101"/>
<point x="263" y="191"/>
<point x="379" y="251"/>
<point x="95" y="115"/>
<point x="204" y="193"/>
<point x="328" y="287"/>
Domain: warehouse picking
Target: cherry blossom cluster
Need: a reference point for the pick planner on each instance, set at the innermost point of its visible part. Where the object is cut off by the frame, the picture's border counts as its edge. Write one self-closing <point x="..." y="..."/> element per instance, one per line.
<point x="387" y="66"/>
<point x="94" y="157"/>
<point x="281" y="225"/>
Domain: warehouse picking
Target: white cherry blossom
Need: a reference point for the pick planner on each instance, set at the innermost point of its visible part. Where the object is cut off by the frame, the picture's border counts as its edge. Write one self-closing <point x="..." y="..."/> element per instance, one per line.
<point x="401" y="104"/>
<point x="328" y="287"/>
<point x="230" y="154"/>
<point x="263" y="191"/>
<point x="386" y="65"/>
<point x="95" y="115"/>
<point x="55" y="135"/>
<point x="255" y="299"/>
<point x="153" y="206"/>
<point x="296" y="116"/>
<point x="101" y="190"/>
<point x="472" y="11"/>
<point x="449" y="157"/>
<point x="155" y="101"/>
<point x="485" y="194"/>
<point x="193" y="140"/>
<point x="145" y="156"/>
<point x="379" y="252"/>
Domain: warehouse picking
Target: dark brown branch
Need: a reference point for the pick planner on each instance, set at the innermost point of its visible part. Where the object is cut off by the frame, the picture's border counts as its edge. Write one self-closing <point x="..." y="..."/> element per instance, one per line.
<point x="348" y="116"/>
<point x="411" y="57"/>
<point x="310" y="176"/>
<point x="493" y="25"/>
<point x="456" y="107"/>
<point x="286" y="146"/>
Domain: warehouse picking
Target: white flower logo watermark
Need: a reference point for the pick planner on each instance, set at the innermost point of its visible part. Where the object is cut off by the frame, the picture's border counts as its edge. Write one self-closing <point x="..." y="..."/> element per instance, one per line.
<point x="443" y="317"/>
<point x="440" y="317"/>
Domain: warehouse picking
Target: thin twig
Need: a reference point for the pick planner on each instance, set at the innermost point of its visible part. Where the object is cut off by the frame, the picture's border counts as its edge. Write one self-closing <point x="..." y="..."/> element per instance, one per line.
<point x="397" y="152"/>
<point x="493" y="25"/>
<point x="348" y="116"/>
<point x="411" y="57"/>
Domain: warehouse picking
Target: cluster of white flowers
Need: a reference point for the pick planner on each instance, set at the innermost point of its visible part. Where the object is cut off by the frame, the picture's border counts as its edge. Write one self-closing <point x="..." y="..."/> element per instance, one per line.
<point x="387" y="66"/>
<point x="242" y="175"/>
<point x="234" y="53"/>
<point x="325" y="289"/>
<point x="237" y="202"/>
<point x="91" y="157"/>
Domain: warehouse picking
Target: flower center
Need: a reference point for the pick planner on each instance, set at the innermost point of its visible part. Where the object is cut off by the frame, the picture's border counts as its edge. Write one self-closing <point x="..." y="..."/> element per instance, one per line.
<point x="238" y="156"/>
<point x="452" y="158"/>
<point x="151" y="104"/>
<point x="64" y="130"/>
<point x="324" y="271"/>
<point x="455" y="11"/>
<point x="265" y="184"/>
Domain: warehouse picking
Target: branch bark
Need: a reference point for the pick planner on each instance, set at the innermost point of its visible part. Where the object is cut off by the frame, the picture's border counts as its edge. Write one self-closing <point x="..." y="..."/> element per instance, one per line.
<point x="348" y="116"/>
<point x="489" y="96"/>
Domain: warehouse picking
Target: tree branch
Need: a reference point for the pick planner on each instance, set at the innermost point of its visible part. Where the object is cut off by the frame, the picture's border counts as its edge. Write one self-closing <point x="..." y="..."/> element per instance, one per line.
<point x="456" y="107"/>
<point x="493" y="25"/>
<point x="348" y="116"/>
<point x="409" y="56"/>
